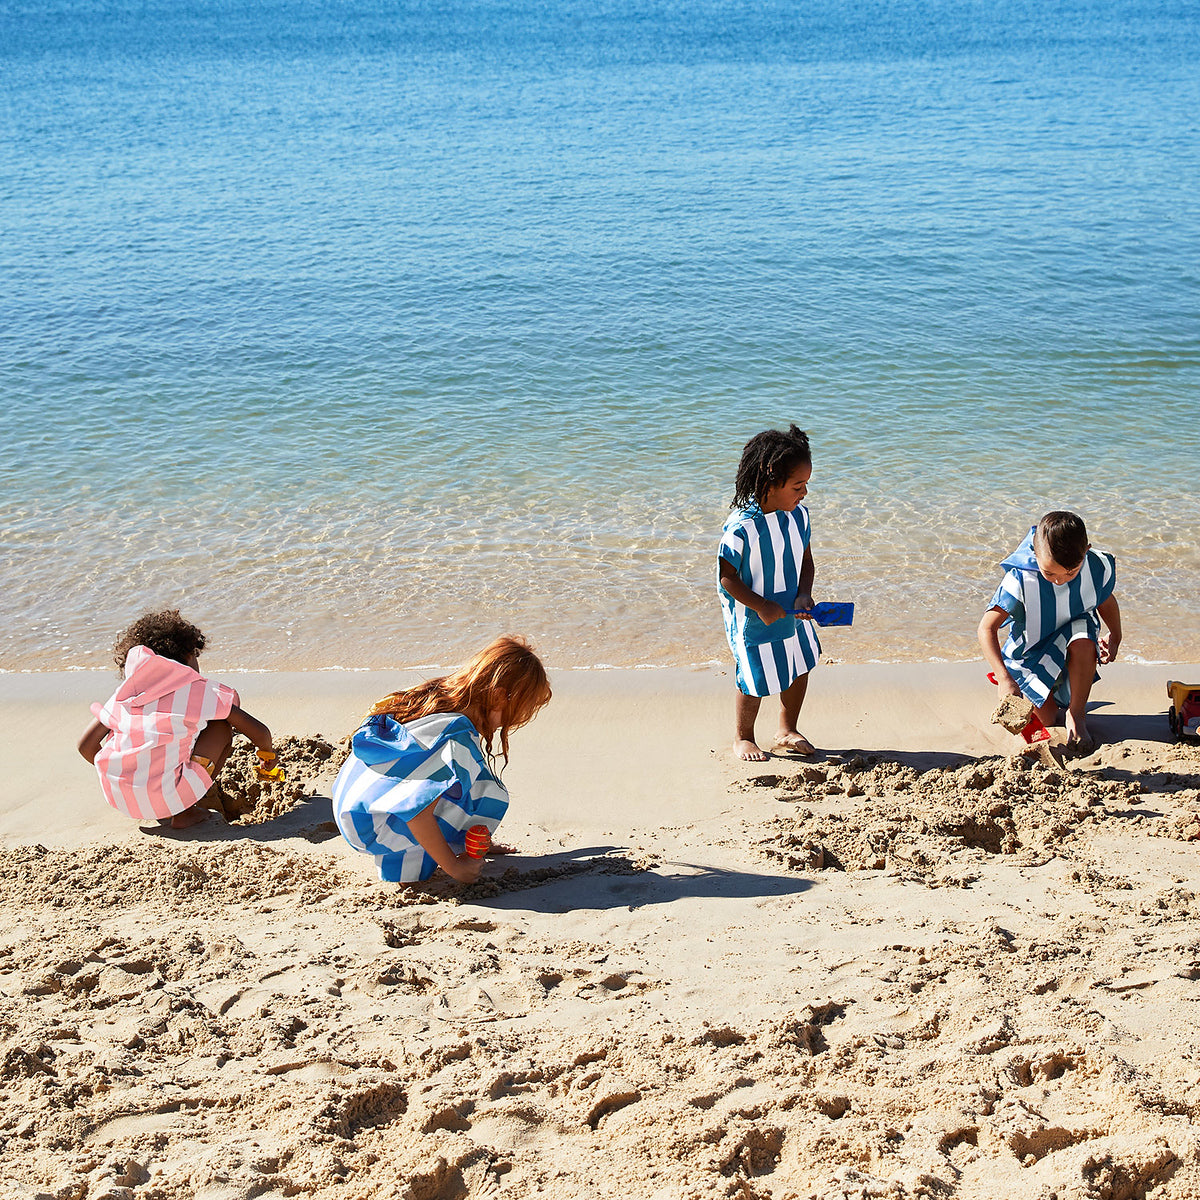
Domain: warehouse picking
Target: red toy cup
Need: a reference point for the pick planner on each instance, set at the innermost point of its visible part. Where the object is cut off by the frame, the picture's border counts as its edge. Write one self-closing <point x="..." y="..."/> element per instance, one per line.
<point x="478" y="841"/>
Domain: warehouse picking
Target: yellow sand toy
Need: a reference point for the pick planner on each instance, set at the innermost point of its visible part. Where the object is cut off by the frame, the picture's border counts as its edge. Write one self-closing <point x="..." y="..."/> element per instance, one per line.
<point x="1184" y="714"/>
<point x="267" y="767"/>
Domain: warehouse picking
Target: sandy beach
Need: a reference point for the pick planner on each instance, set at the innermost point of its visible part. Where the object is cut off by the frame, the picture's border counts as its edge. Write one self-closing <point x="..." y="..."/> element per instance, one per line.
<point x="911" y="966"/>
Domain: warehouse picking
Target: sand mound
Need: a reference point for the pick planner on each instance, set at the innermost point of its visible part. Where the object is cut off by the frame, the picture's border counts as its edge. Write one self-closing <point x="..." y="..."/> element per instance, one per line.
<point x="244" y="799"/>
<point x="874" y="812"/>
<point x="190" y="877"/>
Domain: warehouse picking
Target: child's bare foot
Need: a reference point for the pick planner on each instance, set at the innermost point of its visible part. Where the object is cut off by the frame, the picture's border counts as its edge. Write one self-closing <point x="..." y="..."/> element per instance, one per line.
<point x="794" y="743"/>
<point x="748" y="751"/>
<point x="189" y="817"/>
<point x="1078" y="737"/>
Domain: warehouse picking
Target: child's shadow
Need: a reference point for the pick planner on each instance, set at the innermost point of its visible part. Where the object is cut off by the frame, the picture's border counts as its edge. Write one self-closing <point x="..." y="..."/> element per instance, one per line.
<point x="310" y="819"/>
<point x="1108" y="728"/>
<point x="605" y="877"/>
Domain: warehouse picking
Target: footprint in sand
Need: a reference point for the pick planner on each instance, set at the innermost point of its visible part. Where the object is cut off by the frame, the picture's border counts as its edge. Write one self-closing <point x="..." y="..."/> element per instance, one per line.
<point x="609" y="1094"/>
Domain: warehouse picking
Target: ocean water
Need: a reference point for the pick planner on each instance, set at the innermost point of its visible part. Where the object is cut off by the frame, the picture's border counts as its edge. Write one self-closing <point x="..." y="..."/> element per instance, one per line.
<point x="363" y="331"/>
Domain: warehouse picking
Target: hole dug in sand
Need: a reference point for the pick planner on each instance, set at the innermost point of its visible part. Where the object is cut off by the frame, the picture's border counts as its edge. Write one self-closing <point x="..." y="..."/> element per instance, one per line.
<point x="444" y="1181"/>
<point x="1029" y="1147"/>
<point x="363" y="1109"/>
<point x="756" y="1153"/>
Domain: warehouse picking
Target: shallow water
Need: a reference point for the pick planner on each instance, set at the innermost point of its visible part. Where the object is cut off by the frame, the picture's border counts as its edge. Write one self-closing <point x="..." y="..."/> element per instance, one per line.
<point x="362" y="332"/>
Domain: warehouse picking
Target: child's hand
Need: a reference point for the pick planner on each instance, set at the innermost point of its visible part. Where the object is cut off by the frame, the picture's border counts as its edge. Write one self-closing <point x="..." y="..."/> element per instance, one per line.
<point x="1006" y="685"/>
<point x="1108" y="646"/>
<point x="804" y="606"/>
<point x="466" y="868"/>
<point x="770" y="612"/>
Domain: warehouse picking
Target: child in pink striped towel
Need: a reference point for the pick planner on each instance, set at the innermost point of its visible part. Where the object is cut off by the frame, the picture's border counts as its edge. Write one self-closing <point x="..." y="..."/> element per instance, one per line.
<point x="163" y="736"/>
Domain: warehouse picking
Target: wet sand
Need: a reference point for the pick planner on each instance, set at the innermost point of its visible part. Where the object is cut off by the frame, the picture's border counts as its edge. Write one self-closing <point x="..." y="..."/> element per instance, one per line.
<point x="914" y="965"/>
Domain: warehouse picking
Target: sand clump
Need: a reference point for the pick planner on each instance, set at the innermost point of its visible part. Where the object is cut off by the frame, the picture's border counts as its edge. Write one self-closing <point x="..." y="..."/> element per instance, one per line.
<point x="1012" y="713"/>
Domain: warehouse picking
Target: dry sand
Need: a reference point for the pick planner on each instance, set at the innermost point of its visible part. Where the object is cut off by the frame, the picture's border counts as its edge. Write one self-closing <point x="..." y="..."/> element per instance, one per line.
<point x="912" y="966"/>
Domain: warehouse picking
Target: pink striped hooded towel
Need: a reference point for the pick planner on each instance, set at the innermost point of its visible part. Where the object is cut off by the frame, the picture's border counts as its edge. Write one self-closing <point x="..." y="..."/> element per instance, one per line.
<point x="145" y="763"/>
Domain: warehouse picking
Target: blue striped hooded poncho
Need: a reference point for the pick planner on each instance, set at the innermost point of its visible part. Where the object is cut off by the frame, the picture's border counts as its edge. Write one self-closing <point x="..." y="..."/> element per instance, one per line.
<point x="395" y="771"/>
<point x="766" y="550"/>
<point x="1047" y="617"/>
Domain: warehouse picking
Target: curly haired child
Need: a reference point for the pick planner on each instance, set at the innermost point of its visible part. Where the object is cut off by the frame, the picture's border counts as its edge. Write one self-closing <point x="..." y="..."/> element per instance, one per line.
<point x="163" y="736"/>
<point x="421" y="770"/>
<point x="766" y="575"/>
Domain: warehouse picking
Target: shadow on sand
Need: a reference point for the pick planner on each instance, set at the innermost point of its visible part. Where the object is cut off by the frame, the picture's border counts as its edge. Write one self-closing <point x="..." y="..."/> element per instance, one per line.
<point x="1110" y="728"/>
<point x="588" y="877"/>
<point x="311" y="820"/>
<point x="601" y="878"/>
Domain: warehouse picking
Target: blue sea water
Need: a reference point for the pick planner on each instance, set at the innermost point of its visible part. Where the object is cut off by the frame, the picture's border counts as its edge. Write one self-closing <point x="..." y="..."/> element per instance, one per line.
<point x="363" y="331"/>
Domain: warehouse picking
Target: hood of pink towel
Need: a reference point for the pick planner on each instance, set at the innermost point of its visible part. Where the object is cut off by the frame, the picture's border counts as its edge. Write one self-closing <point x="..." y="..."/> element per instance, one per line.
<point x="149" y="677"/>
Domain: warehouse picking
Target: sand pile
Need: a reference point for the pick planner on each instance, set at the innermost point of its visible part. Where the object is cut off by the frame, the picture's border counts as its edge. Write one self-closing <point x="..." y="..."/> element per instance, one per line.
<point x="705" y="1013"/>
<point x="191" y="877"/>
<point x="242" y="797"/>
<point x="878" y="813"/>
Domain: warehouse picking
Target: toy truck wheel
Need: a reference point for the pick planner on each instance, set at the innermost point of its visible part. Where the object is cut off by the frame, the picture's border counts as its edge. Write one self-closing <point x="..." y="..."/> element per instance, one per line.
<point x="1173" y="721"/>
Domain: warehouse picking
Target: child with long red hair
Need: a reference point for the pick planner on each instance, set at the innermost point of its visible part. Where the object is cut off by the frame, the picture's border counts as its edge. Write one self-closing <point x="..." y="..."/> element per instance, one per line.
<point x="422" y="770"/>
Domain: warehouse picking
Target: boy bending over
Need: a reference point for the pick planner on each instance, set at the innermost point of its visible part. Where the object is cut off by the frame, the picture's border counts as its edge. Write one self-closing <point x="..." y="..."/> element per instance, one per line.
<point x="1056" y="592"/>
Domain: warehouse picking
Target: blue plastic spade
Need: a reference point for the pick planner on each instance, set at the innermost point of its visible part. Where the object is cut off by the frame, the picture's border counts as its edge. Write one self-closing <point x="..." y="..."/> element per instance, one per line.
<point x="829" y="612"/>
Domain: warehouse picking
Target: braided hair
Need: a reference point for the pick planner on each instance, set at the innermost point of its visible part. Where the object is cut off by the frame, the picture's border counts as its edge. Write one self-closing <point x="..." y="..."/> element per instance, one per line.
<point x="768" y="460"/>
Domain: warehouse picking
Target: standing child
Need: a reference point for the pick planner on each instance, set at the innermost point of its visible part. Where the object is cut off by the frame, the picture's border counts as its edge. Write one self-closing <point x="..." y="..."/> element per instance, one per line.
<point x="421" y="770"/>
<point x="164" y="734"/>
<point x="1056" y="592"/>
<point x="766" y="573"/>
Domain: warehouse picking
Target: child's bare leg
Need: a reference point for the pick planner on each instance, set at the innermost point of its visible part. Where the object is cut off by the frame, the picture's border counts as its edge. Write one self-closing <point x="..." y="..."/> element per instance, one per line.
<point x="1048" y="713"/>
<point x="1081" y="671"/>
<point x="213" y="742"/>
<point x="744" y="745"/>
<point x="791" y="701"/>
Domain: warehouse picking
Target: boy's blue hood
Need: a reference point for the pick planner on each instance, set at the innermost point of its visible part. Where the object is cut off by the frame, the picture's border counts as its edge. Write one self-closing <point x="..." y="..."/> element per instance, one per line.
<point x="1022" y="558"/>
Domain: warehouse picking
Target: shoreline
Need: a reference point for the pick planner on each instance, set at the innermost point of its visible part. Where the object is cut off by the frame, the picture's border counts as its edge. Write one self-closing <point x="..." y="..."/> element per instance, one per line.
<point x="425" y="670"/>
<point x="655" y="736"/>
<point x="915" y="660"/>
